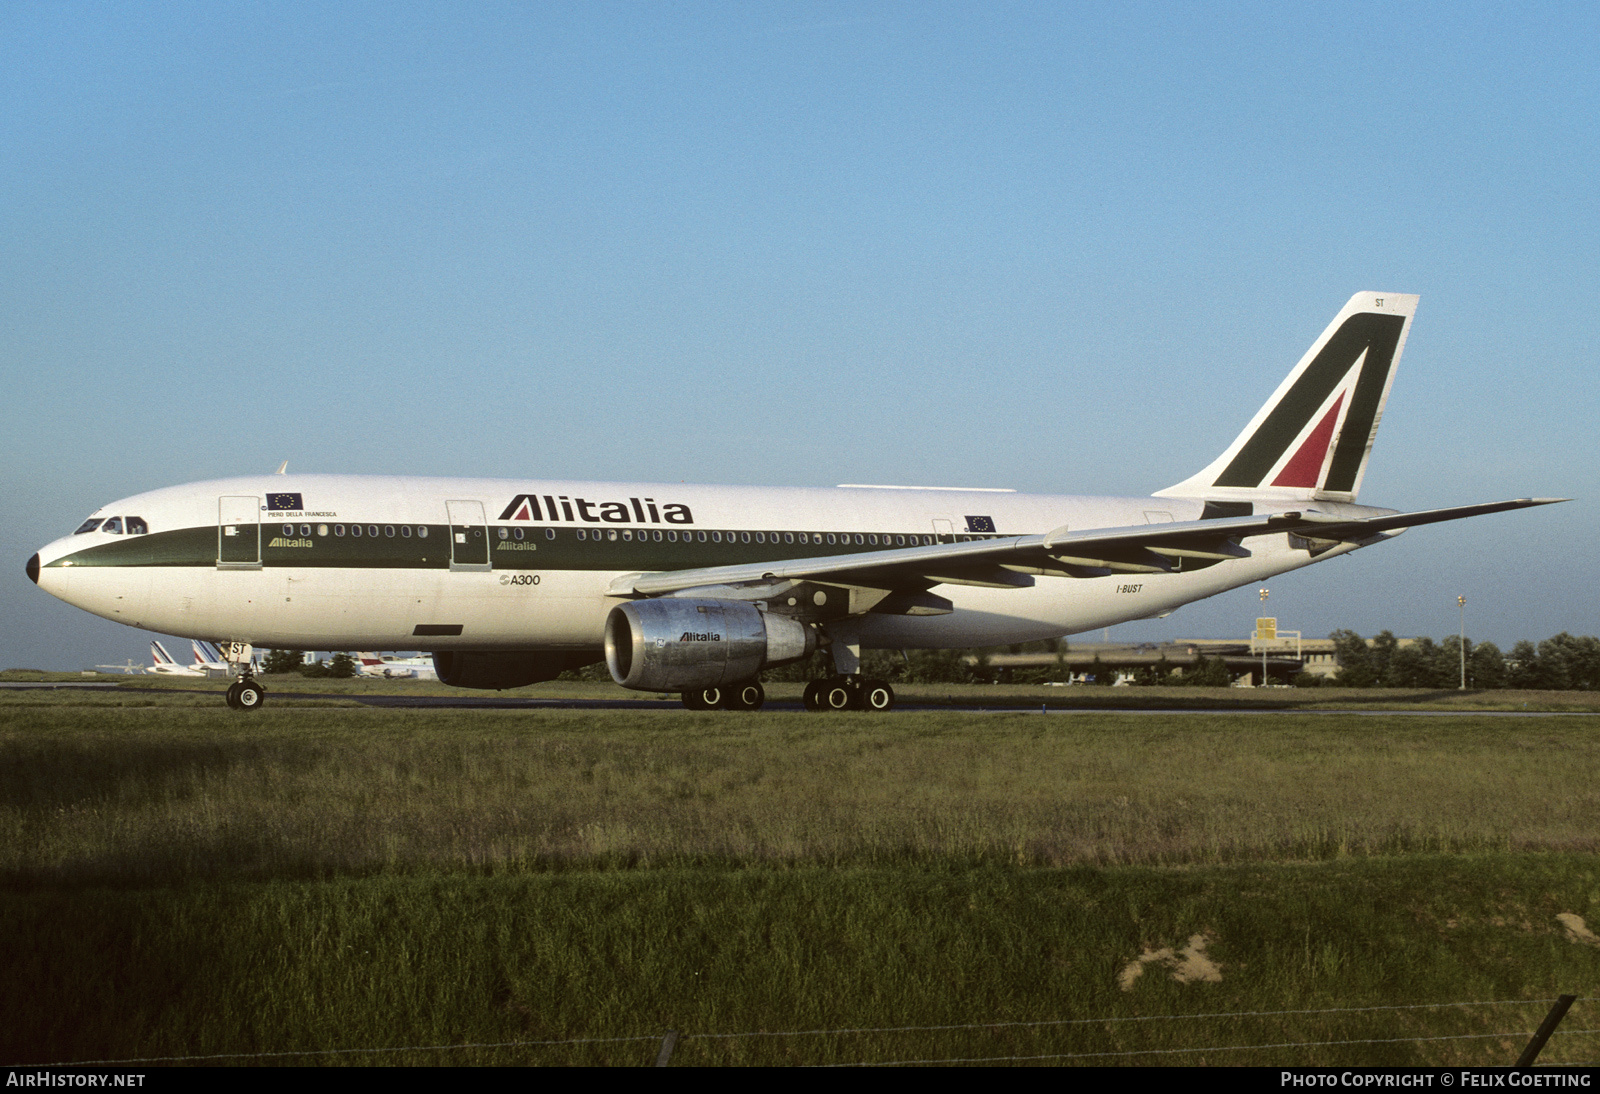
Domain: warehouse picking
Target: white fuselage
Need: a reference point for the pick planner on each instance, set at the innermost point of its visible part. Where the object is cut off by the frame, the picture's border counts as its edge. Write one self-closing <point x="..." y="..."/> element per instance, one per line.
<point x="219" y="562"/>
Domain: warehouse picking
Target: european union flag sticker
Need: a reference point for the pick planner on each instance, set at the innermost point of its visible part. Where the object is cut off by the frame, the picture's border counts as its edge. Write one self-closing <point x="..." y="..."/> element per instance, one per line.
<point x="980" y="524"/>
<point x="280" y="502"/>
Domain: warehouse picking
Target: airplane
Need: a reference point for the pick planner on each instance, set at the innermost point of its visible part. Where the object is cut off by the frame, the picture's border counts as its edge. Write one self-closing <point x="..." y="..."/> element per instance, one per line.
<point x="395" y="668"/>
<point x="696" y="589"/>
<point x="209" y="660"/>
<point x="167" y="665"/>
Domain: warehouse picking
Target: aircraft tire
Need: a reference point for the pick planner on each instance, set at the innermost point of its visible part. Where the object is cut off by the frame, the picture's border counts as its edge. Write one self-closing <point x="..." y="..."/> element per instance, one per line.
<point x="812" y="699"/>
<point x="233" y="695"/>
<point x="877" y="696"/>
<point x="840" y="693"/>
<point x="749" y="695"/>
<point x="252" y="696"/>
<point x="705" y="699"/>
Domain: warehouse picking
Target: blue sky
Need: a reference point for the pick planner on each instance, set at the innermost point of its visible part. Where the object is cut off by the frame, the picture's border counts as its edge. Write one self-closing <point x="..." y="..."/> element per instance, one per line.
<point x="1061" y="248"/>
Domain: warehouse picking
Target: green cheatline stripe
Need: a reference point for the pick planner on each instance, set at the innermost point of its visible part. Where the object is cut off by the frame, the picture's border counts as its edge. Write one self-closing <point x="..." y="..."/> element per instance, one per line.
<point x="1378" y="335"/>
<point x="197" y="547"/>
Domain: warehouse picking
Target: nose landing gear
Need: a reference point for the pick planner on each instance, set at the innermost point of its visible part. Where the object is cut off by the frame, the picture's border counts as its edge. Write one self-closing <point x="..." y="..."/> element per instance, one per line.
<point x="246" y="694"/>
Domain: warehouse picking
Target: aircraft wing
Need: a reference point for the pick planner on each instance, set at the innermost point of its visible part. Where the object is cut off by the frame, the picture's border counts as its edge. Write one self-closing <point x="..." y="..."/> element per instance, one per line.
<point x="1013" y="561"/>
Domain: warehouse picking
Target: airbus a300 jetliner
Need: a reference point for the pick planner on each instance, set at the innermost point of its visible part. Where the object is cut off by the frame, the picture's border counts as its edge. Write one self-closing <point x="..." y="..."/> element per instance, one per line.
<point x="696" y="589"/>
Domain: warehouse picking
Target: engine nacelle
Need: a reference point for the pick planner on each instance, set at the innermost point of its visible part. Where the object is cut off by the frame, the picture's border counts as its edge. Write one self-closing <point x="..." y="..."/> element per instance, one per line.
<point x="680" y="644"/>
<point x="498" y="670"/>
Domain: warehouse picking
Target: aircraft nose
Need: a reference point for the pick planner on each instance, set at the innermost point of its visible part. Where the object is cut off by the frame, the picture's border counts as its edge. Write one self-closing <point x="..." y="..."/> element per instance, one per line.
<point x="33" y="568"/>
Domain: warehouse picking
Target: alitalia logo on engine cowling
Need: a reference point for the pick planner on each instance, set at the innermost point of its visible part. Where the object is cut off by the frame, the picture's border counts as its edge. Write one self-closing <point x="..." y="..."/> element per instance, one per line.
<point x="557" y="508"/>
<point x="700" y="636"/>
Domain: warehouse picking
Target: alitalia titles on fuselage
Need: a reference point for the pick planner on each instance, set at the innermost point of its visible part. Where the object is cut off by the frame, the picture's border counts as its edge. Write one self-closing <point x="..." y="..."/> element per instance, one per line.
<point x="560" y="507"/>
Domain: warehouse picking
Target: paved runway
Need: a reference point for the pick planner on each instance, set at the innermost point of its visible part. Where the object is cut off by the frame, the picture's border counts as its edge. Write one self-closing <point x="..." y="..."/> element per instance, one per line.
<point x="504" y="702"/>
<point x="497" y="702"/>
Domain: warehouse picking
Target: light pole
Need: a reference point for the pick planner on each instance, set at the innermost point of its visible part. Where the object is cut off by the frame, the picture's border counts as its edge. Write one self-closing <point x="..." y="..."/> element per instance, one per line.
<point x="1263" y="644"/>
<point x="1461" y="602"/>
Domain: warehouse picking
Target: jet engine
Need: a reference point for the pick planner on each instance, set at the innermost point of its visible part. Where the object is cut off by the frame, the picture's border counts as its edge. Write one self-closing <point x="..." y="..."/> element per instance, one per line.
<point x="498" y="670"/>
<point x="680" y="644"/>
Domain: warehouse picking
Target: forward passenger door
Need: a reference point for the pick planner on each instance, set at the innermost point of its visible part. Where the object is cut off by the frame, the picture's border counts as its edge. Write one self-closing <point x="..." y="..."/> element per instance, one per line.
<point x="469" y="537"/>
<point x="238" y="533"/>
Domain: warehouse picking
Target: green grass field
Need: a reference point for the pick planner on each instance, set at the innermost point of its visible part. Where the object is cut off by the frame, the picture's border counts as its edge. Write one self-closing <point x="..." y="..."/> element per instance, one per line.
<point x="180" y="880"/>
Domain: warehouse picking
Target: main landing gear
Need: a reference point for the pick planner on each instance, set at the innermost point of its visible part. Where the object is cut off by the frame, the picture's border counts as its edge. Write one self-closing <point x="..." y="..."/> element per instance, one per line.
<point x="849" y="693"/>
<point x="749" y="695"/>
<point x="834" y="693"/>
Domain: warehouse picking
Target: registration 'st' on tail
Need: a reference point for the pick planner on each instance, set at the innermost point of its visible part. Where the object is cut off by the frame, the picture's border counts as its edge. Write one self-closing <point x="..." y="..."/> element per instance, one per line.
<point x="1313" y="437"/>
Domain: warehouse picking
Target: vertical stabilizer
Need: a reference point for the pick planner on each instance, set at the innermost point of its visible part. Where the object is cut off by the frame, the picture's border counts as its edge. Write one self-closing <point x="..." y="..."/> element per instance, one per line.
<point x="1313" y="437"/>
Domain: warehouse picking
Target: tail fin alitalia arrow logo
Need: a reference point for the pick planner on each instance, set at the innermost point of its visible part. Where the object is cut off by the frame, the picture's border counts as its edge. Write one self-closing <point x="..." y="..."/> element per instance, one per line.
<point x="1366" y="341"/>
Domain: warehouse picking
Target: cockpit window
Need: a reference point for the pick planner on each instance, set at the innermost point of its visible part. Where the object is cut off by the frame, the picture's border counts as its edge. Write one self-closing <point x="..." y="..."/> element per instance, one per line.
<point x="114" y="526"/>
<point x="137" y="526"/>
<point x="88" y="526"/>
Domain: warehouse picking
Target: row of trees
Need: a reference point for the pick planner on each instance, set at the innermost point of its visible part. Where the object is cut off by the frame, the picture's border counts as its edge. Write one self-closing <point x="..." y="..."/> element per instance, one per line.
<point x="341" y="666"/>
<point x="1561" y="663"/>
<point x="975" y="667"/>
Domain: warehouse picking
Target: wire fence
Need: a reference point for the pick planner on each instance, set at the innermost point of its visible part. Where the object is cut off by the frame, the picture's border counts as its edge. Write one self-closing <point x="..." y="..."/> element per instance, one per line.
<point x="666" y="1044"/>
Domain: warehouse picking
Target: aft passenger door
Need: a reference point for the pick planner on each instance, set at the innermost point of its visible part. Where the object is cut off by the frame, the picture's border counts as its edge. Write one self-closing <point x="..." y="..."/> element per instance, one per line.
<point x="238" y="533"/>
<point x="469" y="536"/>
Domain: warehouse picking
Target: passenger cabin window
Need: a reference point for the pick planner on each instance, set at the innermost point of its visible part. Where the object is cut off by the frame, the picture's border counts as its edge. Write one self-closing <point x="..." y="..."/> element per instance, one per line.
<point x="114" y="526"/>
<point x="88" y="526"/>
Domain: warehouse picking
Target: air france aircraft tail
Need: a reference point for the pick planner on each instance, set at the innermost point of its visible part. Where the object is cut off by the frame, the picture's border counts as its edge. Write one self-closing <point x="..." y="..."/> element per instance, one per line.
<point x="1312" y="439"/>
